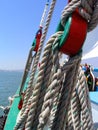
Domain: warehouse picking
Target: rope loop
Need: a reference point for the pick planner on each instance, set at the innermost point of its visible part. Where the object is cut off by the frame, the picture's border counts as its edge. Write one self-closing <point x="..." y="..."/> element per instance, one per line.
<point x="89" y="11"/>
<point x="73" y="36"/>
<point x="53" y="100"/>
<point x="56" y="43"/>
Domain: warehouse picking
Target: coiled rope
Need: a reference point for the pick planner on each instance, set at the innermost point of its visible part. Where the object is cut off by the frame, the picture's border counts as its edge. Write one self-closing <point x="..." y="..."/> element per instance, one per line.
<point x="58" y="88"/>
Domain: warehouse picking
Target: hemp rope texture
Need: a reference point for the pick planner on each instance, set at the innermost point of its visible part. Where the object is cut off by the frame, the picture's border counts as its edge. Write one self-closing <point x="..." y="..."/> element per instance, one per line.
<point x="38" y="53"/>
<point x="43" y="87"/>
<point x="27" y="96"/>
<point x="47" y="99"/>
<point x="92" y="25"/>
<point x="40" y="78"/>
<point x="68" y="86"/>
<point x="46" y="53"/>
<point x="28" y="90"/>
<point x="77" y="106"/>
<point x="91" y="13"/>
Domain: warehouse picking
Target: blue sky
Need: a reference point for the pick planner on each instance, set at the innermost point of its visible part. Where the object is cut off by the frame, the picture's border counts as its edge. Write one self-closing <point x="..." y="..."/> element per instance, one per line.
<point x="19" y="21"/>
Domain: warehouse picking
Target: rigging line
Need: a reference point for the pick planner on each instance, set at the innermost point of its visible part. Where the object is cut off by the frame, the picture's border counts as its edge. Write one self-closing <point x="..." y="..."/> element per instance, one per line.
<point x="29" y="60"/>
<point x="44" y="14"/>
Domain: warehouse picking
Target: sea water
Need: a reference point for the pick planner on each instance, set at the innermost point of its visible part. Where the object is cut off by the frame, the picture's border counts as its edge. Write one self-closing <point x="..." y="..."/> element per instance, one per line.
<point x="9" y="83"/>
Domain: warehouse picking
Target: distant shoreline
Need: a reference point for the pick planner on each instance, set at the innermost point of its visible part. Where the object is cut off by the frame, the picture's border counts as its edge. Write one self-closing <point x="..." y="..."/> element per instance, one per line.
<point x="11" y="70"/>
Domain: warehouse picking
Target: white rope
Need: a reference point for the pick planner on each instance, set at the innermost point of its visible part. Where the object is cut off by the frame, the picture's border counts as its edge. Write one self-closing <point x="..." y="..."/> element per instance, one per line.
<point x="44" y="14"/>
<point x="45" y="102"/>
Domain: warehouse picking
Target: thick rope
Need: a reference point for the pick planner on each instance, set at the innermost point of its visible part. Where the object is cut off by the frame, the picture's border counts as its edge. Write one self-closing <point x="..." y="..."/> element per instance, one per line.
<point x="42" y="67"/>
<point x="82" y="91"/>
<point x="44" y="86"/>
<point x="22" y="117"/>
<point x="87" y="8"/>
<point x="41" y="76"/>
<point x="78" y="109"/>
<point x="72" y="67"/>
<point x="43" y="90"/>
<point x="67" y="115"/>
<point x="69" y="9"/>
<point x="62" y="126"/>
<point x="47" y="98"/>
<point x="57" y="90"/>
<point x="28" y="90"/>
<point x="38" y="54"/>
<point x="91" y="13"/>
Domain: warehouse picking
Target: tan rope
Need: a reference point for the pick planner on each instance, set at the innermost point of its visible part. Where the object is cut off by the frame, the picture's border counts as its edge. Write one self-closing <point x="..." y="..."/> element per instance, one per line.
<point x="87" y="8"/>
<point x="44" y="87"/>
<point x="38" y="54"/>
<point x="28" y="90"/>
<point x="91" y="13"/>
<point x="80" y="109"/>
<point x="47" y="98"/>
<point x="69" y="9"/>
<point x="37" y="88"/>
<point x="67" y="115"/>
<point x="85" y="105"/>
<point x="62" y="109"/>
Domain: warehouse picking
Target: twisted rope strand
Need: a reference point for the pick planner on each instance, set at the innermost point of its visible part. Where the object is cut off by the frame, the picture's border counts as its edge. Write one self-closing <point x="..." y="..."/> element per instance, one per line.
<point x="39" y="53"/>
<point x="47" y="98"/>
<point x="44" y="87"/>
<point x="37" y="88"/>
<point x="68" y="10"/>
<point x="65" y="97"/>
<point x="89" y="11"/>
<point x="85" y="107"/>
<point x="67" y="115"/>
<point x="28" y="90"/>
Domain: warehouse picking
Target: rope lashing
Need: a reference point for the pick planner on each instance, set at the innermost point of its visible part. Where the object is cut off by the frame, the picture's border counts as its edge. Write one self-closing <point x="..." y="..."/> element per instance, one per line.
<point x="51" y="93"/>
<point x="72" y="40"/>
<point x="80" y="109"/>
<point x="69" y="9"/>
<point x="60" y="118"/>
<point x="57" y="93"/>
<point x="77" y="67"/>
<point x="87" y="8"/>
